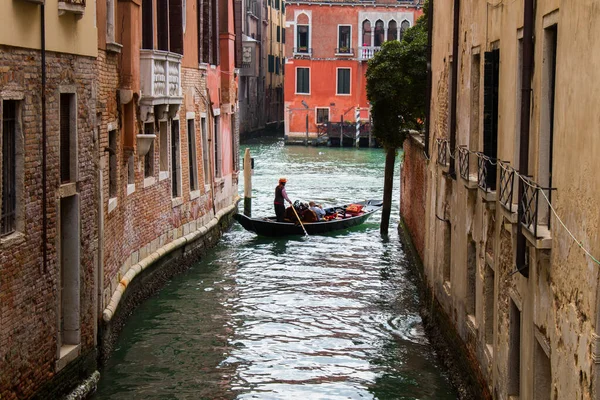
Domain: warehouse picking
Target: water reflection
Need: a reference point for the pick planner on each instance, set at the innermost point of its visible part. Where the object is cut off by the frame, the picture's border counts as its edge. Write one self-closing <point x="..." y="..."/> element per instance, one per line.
<point x="327" y="317"/>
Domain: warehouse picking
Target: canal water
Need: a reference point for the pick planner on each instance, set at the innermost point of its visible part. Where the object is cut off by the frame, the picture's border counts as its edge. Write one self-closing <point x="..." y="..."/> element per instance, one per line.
<point x="327" y="317"/>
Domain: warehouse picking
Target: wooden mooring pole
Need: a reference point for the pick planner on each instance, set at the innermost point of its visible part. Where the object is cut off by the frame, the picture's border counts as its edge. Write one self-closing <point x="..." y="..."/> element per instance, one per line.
<point x="247" y="184"/>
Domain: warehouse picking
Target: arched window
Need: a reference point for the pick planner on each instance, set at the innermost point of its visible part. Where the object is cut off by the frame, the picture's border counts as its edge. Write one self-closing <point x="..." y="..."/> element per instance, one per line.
<point x="403" y="27"/>
<point x="366" y="35"/>
<point x="379" y="32"/>
<point x="392" y="31"/>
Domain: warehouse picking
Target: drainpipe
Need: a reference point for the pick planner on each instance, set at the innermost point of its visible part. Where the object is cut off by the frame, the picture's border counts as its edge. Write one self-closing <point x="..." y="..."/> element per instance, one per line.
<point x="454" y="87"/>
<point x="429" y="76"/>
<point x="528" y="49"/>
<point x="44" y="139"/>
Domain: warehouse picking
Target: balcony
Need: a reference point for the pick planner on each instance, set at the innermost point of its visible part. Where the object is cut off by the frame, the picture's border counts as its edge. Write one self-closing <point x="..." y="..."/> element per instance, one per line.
<point x="508" y="180"/>
<point x="536" y="212"/>
<point x="442" y="152"/>
<point x="303" y="51"/>
<point x="367" y="52"/>
<point x="160" y="75"/>
<point x="344" y="51"/>
<point x="486" y="176"/>
<point x="464" y="165"/>
<point x="76" y="7"/>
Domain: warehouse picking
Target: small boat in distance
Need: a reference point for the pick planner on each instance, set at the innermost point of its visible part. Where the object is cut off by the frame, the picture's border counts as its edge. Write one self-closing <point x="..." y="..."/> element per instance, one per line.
<point x="337" y="218"/>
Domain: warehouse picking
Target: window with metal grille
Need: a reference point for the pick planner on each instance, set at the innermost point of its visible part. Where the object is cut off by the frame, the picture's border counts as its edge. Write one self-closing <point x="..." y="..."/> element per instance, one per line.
<point x="303" y="80"/>
<point x="175" y="169"/>
<point x="343" y="81"/>
<point x="149" y="157"/>
<point x="193" y="163"/>
<point x="65" y="137"/>
<point x="112" y="164"/>
<point x="322" y="115"/>
<point x="9" y="167"/>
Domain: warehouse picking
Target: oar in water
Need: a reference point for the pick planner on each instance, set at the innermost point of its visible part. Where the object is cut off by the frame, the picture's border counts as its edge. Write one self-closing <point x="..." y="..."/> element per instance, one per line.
<point x="299" y="220"/>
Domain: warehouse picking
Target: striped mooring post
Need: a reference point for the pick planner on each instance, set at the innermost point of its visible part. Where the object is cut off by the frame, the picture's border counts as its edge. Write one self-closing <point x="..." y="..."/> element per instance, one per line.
<point x="357" y="125"/>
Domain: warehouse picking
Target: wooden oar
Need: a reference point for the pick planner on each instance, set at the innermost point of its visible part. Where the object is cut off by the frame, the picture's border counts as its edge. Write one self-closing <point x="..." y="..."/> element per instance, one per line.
<point x="299" y="220"/>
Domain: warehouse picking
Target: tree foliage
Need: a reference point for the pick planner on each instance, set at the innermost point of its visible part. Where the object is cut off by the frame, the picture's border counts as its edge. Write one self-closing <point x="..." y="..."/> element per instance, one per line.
<point x="397" y="83"/>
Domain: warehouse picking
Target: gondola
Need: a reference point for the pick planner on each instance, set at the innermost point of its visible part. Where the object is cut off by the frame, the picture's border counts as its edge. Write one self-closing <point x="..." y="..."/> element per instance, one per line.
<point x="338" y="218"/>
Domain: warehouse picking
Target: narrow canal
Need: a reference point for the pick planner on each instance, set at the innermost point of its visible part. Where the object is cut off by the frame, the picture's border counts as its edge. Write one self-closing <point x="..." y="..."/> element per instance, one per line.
<point x="328" y="317"/>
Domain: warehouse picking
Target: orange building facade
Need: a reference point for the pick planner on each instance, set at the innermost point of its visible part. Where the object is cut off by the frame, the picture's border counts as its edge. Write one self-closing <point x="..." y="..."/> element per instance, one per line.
<point x="327" y="49"/>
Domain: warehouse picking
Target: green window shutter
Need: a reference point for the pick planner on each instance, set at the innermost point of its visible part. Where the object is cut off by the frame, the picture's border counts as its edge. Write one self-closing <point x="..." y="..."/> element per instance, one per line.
<point x="271" y="63"/>
<point x="278" y="34"/>
<point x="343" y="84"/>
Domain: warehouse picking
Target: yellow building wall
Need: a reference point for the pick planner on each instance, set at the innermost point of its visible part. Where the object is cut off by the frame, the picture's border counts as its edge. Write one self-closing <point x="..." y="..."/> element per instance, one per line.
<point x="69" y="33"/>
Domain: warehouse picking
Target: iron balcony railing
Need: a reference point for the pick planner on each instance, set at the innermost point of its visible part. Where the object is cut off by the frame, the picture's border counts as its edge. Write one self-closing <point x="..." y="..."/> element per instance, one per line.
<point x="74" y="2"/>
<point x="486" y="172"/>
<point x="536" y="210"/>
<point x="507" y="185"/>
<point x="344" y="50"/>
<point x="463" y="162"/>
<point x="303" y="50"/>
<point x="442" y="151"/>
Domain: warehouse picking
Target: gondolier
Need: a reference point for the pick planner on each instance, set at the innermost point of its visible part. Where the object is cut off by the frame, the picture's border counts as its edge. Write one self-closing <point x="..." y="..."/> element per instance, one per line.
<point x="280" y="197"/>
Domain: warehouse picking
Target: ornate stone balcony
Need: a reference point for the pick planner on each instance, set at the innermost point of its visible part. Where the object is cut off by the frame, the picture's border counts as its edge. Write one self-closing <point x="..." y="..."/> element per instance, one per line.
<point x="367" y="52"/>
<point x="160" y="82"/>
<point x="76" y="7"/>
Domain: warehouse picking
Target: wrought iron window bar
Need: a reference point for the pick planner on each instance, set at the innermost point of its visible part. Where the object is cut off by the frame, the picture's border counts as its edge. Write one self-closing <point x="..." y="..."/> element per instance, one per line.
<point x="463" y="162"/>
<point x="442" y="151"/>
<point x="507" y="185"/>
<point x="486" y="173"/>
<point x="530" y="202"/>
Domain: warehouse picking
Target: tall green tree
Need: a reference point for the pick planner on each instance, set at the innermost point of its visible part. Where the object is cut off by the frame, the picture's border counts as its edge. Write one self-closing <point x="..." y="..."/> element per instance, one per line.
<point x="396" y="89"/>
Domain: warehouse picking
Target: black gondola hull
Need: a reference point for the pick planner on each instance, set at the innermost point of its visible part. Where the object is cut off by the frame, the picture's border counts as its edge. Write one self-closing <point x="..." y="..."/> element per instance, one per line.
<point x="270" y="227"/>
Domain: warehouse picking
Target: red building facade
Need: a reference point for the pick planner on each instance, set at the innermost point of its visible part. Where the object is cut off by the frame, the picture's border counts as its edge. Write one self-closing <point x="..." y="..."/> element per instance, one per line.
<point x="328" y="46"/>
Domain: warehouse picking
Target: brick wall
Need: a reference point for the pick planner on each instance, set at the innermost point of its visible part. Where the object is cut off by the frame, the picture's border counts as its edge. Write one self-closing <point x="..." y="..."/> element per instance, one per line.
<point x="413" y="189"/>
<point x="29" y="293"/>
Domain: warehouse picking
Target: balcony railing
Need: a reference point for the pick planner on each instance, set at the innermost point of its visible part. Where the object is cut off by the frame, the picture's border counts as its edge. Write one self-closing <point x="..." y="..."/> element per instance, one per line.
<point x="344" y="50"/>
<point x="442" y="151"/>
<point x="76" y="7"/>
<point x="536" y="211"/>
<point x="486" y="172"/>
<point x="367" y="52"/>
<point x="303" y="51"/>
<point x="463" y="162"/>
<point x="160" y="73"/>
<point x="507" y="186"/>
<point x="74" y="2"/>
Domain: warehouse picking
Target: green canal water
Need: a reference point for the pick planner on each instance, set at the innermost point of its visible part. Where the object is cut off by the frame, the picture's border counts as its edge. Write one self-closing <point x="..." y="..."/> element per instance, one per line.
<point x="327" y="317"/>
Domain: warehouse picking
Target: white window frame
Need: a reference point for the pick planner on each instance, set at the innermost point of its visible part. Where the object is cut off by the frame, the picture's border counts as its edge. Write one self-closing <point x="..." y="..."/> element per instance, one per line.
<point x="337" y="76"/>
<point x="309" y="16"/>
<point x="296" y="81"/>
<point x="317" y="112"/>
<point x="338" y="40"/>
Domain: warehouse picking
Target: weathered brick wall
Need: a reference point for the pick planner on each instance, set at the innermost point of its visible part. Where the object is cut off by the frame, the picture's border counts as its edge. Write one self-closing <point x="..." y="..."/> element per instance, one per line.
<point x="28" y="292"/>
<point x="413" y="189"/>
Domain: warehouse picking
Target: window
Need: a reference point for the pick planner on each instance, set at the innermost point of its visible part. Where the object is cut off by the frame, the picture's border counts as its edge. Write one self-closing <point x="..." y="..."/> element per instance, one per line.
<point x="271" y="61"/>
<point x="366" y="36"/>
<point x="277" y="64"/>
<point x="344" y="39"/>
<point x="379" y="32"/>
<point x="175" y="161"/>
<point x="193" y="163"/>
<point x="110" y="21"/>
<point x="149" y="157"/>
<point x="514" y="350"/>
<point x="69" y="271"/>
<point x="147" y="25"/>
<point x="302" y="39"/>
<point x="205" y="153"/>
<point x="392" y="31"/>
<point x="277" y="4"/>
<point x="303" y="80"/>
<point x="163" y="146"/>
<point x="490" y="112"/>
<point x="68" y="138"/>
<point x="278" y="34"/>
<point x="403" y="27"/>
<point x="322" y="115"/>
<point x="209" y="35"/>
<point x="217" y="133"/>
<point x="9" y="145"/>
<point x="170" y="25"/>
<point x="283" y="36"/>
<point x="343" y="81"/>
<point x="471" y="276"/>
<point x="112" y="164"/>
